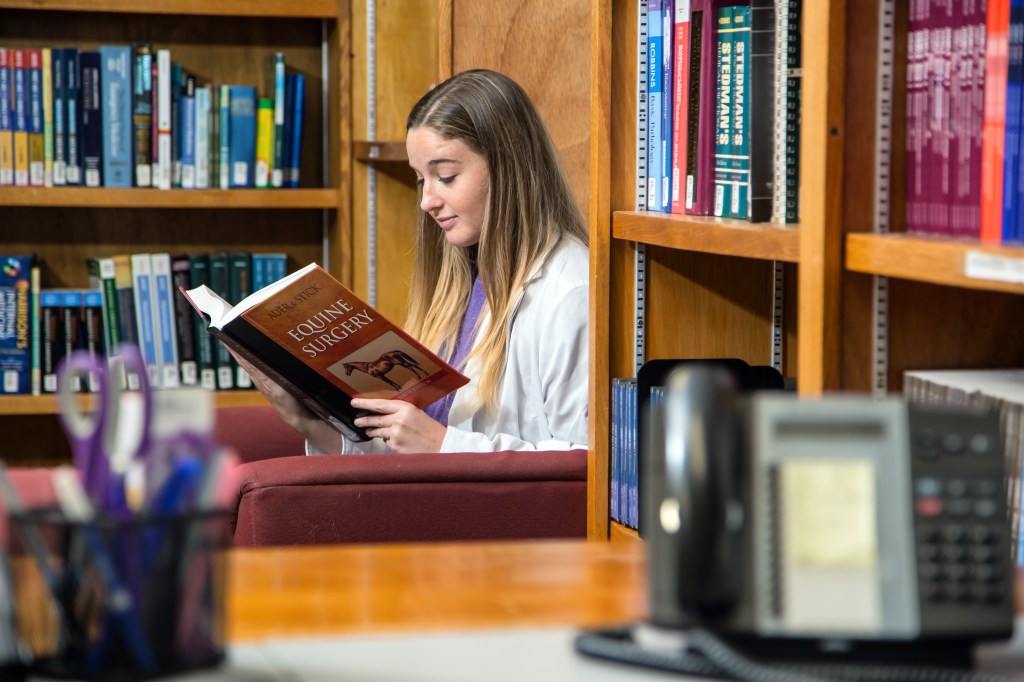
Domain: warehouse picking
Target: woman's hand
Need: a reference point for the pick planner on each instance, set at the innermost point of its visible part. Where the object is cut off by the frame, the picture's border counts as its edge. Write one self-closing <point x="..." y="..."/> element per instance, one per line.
<point x="321" y="434"/>
<point x="404" y="427"/>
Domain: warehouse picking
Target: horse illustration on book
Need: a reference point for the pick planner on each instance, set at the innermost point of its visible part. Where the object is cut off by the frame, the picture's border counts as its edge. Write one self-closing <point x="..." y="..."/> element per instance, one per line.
<point x="380" y="367"/>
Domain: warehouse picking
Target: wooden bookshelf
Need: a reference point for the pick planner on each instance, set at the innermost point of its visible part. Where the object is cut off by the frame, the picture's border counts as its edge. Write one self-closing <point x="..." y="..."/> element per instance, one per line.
<point x="47" y="404"/>
<point x="138" y="197"/>
<point x="723" y="236"/>
<point x="248" y="8"/>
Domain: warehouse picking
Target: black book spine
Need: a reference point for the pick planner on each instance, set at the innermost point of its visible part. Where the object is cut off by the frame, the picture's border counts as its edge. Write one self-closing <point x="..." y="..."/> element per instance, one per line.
<point x="90" y="106"/>
<point x="181" y="275"/>
<point x="142" y="113"/>
<point x="762" y="104"/>
<point x="199" y="273"/>
<point x="793" y="62"/>
<point x="693" y="107"/>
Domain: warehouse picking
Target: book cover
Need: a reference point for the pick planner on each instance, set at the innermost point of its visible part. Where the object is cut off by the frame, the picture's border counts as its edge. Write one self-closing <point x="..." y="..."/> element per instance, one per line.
<point x="163" y="313"/>
<point x="6" y="123"/>
<point x="783" y="9"/>
<point x="723" y="113"/>
<point x="680" y="92"/>
<point x="187" y="117"/>
<point x="145" y="317"/>
<point x="15" y="324"/>
<point x="47" y="116"/>
<point x="655" y="94"/>
<point x="994" y="126"/>
<point x="199" y="275"/>
<point x="116" y="85"/>
<point x="973" y="202"/>
<point x="937" y="175"/>
<point x="181" y="276"/>
<point x="35" y="284"/>
<point x="177" y="83"/>
<point x="264" y="142"/>
<point x="239" y="287"/>
<point x="89" y="104"/>
<point x="51" y="343"/>
<point x="92" y="329"/>
<point x="325" y="346"/>
<point x="72" y="117"/>
<point x="761" y="82"/>
<point x="295" y="145"/>
<point x="213" y="143"/>
<point x="73" y="336"/>
<point x="125" y="299"/>
<point x="142" y="113"/>
<point x="223" y="363"/>
<point x="162" y="86"/>
<point x="19" y="113"/>
<point x="60" y="117"/>
<point x="700" y="157"/>
<point x="277" y="162"/>
<point x="739" y="164"/>
<point x="794" y="50"/>
<point x="1012" y="133"/>
<point x="667" y="33"/>
<point x="36" y="138"/>
<point x="102" y="278"/>
<point x="202" y="145"/>
<point x="224" y="177"/>
<point x="242" y="136"/>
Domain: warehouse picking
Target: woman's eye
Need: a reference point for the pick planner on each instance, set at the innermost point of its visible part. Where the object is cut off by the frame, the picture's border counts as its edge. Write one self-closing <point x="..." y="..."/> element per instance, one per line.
<point x="419" y="182"/>
<point x="448" y="180"/>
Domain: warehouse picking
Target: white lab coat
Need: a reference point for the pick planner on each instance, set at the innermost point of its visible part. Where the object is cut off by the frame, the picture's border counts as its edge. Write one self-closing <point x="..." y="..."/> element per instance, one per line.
<point x="542" y="400"/>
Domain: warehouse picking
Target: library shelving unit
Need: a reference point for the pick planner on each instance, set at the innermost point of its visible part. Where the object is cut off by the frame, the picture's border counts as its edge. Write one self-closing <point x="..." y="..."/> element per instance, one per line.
<point x="221" y="41"/>
<point x="708" y="280"/>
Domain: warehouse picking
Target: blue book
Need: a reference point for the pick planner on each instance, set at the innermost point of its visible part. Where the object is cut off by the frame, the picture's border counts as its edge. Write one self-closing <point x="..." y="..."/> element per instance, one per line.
<point x="164" y="326"/>
<point x="723" y="113"/>
<point x="51" y="337"/>
<point x="242" y="152"/>
<point x="6" y="124"/>
<point x="655" y="97"/>
<point x="116" y="82"/>
<point x="145" y="316"/>
<point x="91" y="118"/>
<point x="295" y="113"/>
<point x="667" y="34"/>
<point x="72" y="338"/>
<point x="1014" y="93"/>
<point x="19" y="113"/>
<point x="277" y="167"/>
<point x="187" y="139"/>
<point x="202" y="137"/>
<point x="36" y="142"/>
<point x="72" y="117"/>
<point x="176" y="84"/>
<point x="15" y="336"/>
<point x="224" y="175"/>
<point x="60" y="116"/>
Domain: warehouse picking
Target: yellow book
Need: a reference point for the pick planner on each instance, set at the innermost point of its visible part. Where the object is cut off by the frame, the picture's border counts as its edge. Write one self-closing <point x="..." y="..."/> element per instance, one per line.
<point x="19" y="106"/>
<point x="6" y="124"/>
<point x="47" y="117"/>
<point x="264" y="141"/>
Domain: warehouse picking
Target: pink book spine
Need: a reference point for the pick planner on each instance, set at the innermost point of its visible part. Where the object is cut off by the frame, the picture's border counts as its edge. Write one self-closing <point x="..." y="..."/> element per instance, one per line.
<point x="703" y="183"/>
<point x="680" y="87"/>
<point x="915" y="129"/>
<point x="972" y="213"/>
<point x="937" y="189"/>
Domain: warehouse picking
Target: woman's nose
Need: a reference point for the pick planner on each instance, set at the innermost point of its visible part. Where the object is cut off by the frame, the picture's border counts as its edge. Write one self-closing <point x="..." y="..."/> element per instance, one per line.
<point x="429" y="201"/>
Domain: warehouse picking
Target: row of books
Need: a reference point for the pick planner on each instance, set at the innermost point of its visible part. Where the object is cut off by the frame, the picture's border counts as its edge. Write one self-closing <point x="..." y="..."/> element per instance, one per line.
<point x="719" y="108"/>
<point x="132" y="298"/>
<point x="126" y="115"/>
<point x="624" y="487"/>
<point x="999" y="390"/>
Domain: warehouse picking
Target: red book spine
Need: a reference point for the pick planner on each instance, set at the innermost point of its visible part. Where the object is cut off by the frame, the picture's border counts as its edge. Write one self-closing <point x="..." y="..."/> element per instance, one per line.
<point x="973" y="214"/>
<point x="993" y="129"/>
<point x="917" y="92"/>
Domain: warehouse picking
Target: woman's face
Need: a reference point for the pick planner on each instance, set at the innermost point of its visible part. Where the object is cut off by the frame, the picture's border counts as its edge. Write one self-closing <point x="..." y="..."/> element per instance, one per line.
<point x="455" y="183"/>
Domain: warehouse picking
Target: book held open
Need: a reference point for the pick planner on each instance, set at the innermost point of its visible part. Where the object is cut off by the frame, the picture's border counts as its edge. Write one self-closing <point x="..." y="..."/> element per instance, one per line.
<point x="324" y="345"/>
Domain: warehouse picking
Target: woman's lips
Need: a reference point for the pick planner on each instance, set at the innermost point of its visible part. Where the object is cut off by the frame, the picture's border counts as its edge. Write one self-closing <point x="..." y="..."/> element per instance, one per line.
<point x="446" y="222"/>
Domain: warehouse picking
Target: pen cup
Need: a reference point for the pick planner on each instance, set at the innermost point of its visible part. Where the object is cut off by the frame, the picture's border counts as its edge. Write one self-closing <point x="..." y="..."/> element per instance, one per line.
<point x="119" y="600"/>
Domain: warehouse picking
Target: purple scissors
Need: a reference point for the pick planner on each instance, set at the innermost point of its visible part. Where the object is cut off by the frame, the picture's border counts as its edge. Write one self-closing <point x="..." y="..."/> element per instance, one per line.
<point x="106" y="440"/>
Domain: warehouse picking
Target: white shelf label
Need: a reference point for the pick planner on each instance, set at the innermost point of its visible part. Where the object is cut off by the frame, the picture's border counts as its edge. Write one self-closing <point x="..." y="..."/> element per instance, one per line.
<point x="979" y="265"/>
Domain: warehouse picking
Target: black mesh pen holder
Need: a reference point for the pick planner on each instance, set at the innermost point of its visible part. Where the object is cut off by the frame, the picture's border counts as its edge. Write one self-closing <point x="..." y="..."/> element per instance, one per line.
<point x="119" y="600"/>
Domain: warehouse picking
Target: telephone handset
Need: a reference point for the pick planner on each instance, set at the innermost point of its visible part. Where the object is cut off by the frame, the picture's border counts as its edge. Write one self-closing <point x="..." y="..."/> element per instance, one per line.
<point x="838" y="530"/>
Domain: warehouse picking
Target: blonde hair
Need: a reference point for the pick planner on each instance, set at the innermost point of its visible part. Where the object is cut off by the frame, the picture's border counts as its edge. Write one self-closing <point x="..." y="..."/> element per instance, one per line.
<point x="530" y="208"/>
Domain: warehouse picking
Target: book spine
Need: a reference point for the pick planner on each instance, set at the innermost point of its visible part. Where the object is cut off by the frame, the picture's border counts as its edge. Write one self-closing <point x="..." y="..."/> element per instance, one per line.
<point x="142" y="113"/>
<point x="199" y="274"/>
<point x="277" y="164"/>
<point x="36" y="138"/>
<point x="665" y="172"/>
<point x="47" y="116"/>
<point x="240" y="286"/>
<point x="680" y="91"/>
<point x="264" y="142"/>
<point x="163" y="118"/>
<point x="6" y="124"/>
<point x="1012" y="134"/>
<point x="188" y="131"/>
<point x="177" y="83"/>
<point x="297" y="112"/>
<point x="959" y="117"/>
<point x="655" y="93"/>
<point x="214" y="141"/>
<point x="181" y="276"/>
<point x="115" y="77"/>
<point x="89" y="102"/>
<point x="164" y="327"/>
<point x="739" y="175"/>
<point x="102" y="278"/>
<point x="51" y="347"/>
<point x="15" y="327"/>
<point x="994" y="127"/>
<point x="202" y="157"/>
<point x="225" y="137"/>
<point x="145" y="317"/>
<point x="221" y="356"/>
<point x="125" y="299"/>
<point x="242" y="152"/>
<point x="154" y="140"/>
<point x="72" y="338"/>
<point x="20" y="116"/>
<point x="936" y="174"/>
<point x="700" y="121"/>
<point x="794" y="52"/>
<point x="60" y="117"/>
<point x="723" y="112"/>
<point x="72" y="81"/>
<point x="93" y="329"/>
<point x="977" y="124"/>
<point x="761" y="88"/>
<point x="35" y="278"/>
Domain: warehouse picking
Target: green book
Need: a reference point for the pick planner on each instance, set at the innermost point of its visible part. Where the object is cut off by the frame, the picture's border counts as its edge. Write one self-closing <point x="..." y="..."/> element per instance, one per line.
<point x="740" y="161"/>
<point x="723" y="113"/>
<point x="102" y="276"/>
<point x="206" y="368"/>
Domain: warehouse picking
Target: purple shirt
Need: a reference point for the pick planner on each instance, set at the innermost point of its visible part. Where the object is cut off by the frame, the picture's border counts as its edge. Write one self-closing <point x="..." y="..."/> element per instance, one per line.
<point x="467" y="335"/>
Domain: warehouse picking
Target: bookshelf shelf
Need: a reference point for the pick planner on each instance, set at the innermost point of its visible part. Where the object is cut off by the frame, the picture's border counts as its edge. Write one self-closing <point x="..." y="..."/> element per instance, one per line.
<point x="20" y="405"/>
<point x="246" y="8"/>
<point x="709" y="235"/>
<point x="380" y="152"/>
<point x="619" y="533"/>
<point x="78" y="197"/>
<point x="927" y="259"/>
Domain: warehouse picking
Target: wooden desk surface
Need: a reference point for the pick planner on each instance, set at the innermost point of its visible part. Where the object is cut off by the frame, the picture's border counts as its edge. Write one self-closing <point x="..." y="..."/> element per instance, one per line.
<point x="303" y="591"/>
<point x="309" y="591"/>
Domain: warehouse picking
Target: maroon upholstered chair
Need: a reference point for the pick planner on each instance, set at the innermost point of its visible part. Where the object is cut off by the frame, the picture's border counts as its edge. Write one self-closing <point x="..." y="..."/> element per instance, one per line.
<point x="286" y="498"/>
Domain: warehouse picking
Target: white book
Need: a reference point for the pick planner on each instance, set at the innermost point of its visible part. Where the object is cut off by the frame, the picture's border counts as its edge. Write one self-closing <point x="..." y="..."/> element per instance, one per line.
<point x="163" y="119"/>
<point x="202" y="159"/>
<point x="166" y="326"/>
<point x="145" y="318"/>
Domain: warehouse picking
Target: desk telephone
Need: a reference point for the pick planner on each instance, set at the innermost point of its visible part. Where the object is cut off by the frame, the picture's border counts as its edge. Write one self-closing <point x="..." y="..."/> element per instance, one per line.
<point x="835" y="530"/>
